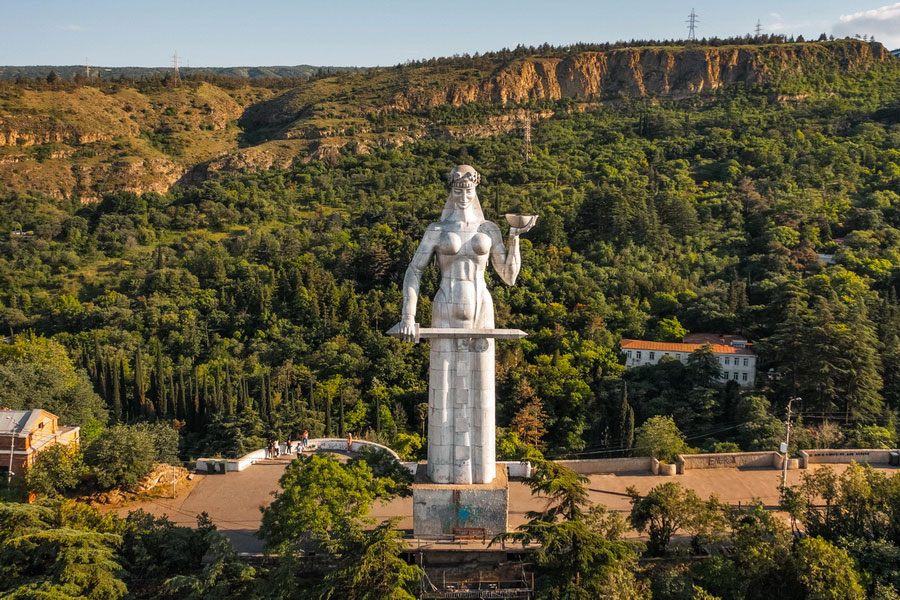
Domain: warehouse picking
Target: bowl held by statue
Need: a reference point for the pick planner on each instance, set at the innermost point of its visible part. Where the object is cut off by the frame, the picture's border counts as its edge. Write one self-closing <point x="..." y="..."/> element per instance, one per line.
<point x="520" y="220"/>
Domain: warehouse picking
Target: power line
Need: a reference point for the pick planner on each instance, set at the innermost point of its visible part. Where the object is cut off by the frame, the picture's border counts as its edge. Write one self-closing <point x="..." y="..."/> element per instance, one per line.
<point x="692" y="25"/>
<point x="624" y="449"/>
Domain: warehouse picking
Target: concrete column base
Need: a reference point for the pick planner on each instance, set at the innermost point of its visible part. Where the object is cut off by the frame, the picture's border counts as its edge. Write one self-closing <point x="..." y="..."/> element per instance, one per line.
<point x="438" y="508"/>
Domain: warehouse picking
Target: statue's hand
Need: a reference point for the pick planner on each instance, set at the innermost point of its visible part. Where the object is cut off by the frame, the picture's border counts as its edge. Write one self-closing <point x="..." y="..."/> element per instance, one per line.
<point x="517" y="231"/>
<point x="408" y="330"/>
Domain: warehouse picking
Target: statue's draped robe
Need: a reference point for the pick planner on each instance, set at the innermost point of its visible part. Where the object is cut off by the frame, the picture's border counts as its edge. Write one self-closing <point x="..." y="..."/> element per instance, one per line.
<point x="461" y="434"/>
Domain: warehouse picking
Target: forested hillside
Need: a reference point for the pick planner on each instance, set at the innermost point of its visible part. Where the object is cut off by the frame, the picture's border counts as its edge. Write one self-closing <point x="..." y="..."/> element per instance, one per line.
<point x="254" y="306"/>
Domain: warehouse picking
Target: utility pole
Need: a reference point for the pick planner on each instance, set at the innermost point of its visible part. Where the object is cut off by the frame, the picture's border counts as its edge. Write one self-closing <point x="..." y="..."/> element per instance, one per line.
<point x="526" y="142"/>
<point x="758" y="28"/>
<point x="175" y="63"/>
<point x="12" y="449"/>
<point x="785" y="445"/>
<point x="87" y="70"/>
<point x="692" y="26"/>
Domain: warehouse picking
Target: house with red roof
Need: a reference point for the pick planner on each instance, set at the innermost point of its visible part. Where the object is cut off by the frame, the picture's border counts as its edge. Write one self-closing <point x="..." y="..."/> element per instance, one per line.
<point x="736" y="360"/>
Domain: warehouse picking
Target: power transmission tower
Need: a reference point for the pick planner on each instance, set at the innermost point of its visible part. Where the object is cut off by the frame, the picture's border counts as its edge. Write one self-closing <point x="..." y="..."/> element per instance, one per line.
<point x="175" y="63"/>
<point x="758" y="28"/>
<point x="526" y="141"/>
<point x="692" y="25"/>
<point x="87" y="70"/>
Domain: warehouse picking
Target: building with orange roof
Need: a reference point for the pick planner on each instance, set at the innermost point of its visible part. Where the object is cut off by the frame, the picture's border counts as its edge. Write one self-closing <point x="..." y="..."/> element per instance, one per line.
<point x="26" y="433"/>
<point x="736" y="360"/>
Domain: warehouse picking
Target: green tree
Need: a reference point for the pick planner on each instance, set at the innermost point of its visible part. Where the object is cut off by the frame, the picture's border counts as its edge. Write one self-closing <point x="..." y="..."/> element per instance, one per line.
<point x="575" y="546"/>
<point x="664" y="510"/>
<point x="318" y="495"/>
<point x="222" y="575"/>
<point x="36" y="372"/>
<point x="56" y="470"/>
<point x="123" y="454"/>
<point x="825" y="572"/>
<point x="371" y="567"/>
<point x="670" y="330"/>
<point x="659" y="437"/>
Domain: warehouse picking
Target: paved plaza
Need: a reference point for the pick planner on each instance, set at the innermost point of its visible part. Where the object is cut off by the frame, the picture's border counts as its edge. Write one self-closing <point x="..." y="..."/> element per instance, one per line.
<point x="233" y="500"/>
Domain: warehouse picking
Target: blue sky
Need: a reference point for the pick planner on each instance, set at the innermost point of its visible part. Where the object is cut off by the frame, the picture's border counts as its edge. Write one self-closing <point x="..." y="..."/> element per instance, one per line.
<point x="361" y="33"/>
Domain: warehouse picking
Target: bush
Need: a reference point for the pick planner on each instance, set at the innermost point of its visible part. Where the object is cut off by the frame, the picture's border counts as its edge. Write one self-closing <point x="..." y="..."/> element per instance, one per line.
<point x="659" y="437"/>
<point x="123" y="454"/>
<point x="57" y="470"/>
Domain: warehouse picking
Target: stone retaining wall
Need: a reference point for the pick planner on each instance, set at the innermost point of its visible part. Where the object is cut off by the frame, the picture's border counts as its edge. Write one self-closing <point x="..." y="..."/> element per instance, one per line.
<point x="844" y="456"/>
<point x="726" y="460"/>
<point x="593" y="466"/>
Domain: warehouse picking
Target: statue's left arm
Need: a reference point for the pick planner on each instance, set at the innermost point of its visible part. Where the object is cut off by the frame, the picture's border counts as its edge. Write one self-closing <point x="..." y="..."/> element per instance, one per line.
<point x="506" y="262"/>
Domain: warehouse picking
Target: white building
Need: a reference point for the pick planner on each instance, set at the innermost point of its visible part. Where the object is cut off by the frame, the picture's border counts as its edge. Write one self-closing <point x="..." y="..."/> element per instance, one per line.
<point x="737" y="362"/>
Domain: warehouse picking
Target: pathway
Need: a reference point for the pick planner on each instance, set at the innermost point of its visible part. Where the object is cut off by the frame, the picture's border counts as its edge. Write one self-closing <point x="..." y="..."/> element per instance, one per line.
<point x="233" y="501"/>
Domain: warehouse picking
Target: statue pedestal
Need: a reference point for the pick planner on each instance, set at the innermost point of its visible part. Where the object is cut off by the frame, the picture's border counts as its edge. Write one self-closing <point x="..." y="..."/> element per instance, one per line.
<point x="439" y="507"/>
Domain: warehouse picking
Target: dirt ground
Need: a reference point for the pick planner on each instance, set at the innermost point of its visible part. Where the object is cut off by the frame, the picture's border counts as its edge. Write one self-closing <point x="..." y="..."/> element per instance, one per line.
<point x="233" y="500"/>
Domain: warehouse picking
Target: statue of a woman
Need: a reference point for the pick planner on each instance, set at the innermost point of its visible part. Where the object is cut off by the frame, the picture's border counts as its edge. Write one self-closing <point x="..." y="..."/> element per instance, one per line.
<point x="461" y="438"/>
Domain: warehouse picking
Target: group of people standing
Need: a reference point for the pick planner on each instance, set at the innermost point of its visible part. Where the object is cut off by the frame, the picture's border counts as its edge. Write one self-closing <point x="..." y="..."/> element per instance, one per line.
<point x="274" y="448"/>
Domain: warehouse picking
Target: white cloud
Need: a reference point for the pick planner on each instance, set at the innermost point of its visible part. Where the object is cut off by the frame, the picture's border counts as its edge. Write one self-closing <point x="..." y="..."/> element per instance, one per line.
<point x="70" y="27"/>
<point x="779" y="26"/>
<point x="882" y="22"/>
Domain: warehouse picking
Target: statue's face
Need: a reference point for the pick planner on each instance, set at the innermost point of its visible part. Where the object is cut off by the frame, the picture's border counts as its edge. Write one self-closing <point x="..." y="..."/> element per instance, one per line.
<point x="463" y="197"/>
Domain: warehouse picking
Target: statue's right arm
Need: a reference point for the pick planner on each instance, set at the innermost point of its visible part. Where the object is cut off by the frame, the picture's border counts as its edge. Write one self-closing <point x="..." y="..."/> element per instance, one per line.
<point x="420" y="260"/>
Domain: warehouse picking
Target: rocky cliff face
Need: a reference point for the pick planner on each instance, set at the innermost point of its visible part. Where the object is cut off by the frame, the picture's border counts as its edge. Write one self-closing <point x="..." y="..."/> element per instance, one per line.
<point x="642" y="72"/>
<point x="83" y="141"/>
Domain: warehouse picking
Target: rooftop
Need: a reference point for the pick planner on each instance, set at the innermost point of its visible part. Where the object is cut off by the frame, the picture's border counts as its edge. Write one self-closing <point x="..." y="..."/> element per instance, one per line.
<point x="714" y="338"/>
<point x="17" y="422"/>
<point x="627" y="344"/>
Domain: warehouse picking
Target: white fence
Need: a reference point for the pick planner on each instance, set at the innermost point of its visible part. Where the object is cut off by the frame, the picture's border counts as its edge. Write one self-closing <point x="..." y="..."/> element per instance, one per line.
<point x="223" y="465"/>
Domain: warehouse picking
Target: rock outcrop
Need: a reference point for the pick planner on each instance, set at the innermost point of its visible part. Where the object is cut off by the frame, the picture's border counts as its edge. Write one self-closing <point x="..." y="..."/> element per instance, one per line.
<point x="82" y="141"/>
<point x="641" y="72"/>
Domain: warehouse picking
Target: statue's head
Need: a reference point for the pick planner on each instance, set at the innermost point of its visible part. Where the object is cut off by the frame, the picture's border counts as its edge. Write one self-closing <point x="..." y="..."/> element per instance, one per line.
<point x="464" y="176"/>
<point x="463" y="180"/>
<point x="462" y="202"/>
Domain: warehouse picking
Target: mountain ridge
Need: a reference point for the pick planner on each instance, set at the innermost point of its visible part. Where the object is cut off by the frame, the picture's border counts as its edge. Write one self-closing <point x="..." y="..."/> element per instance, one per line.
<point x="80" y="141"/>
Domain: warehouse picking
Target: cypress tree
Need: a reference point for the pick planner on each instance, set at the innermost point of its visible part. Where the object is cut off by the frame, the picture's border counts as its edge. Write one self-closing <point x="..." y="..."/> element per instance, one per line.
<point x="184" y="407"/>
<point x="342" y="412"/>
<point x="139" y="395"/>
<point x="173" y="396"/>
<point x="195" y="393"/>
<point x="216" y="392"/>
<point x="161" y="402"/>
<point x="204" y="405"/>
<point x="105" y="381"/>
<point x="263" y="404"/>
<point x="327" y="415"/>
<point x="116" y="392"/>
<point x="628" y="438"/>
<point x="127" y="409"/>
<point x="229" y="409"/>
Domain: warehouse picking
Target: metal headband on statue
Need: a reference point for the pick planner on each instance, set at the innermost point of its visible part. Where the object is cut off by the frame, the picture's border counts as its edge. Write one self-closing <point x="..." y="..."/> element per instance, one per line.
<point x="464" y="176"/>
